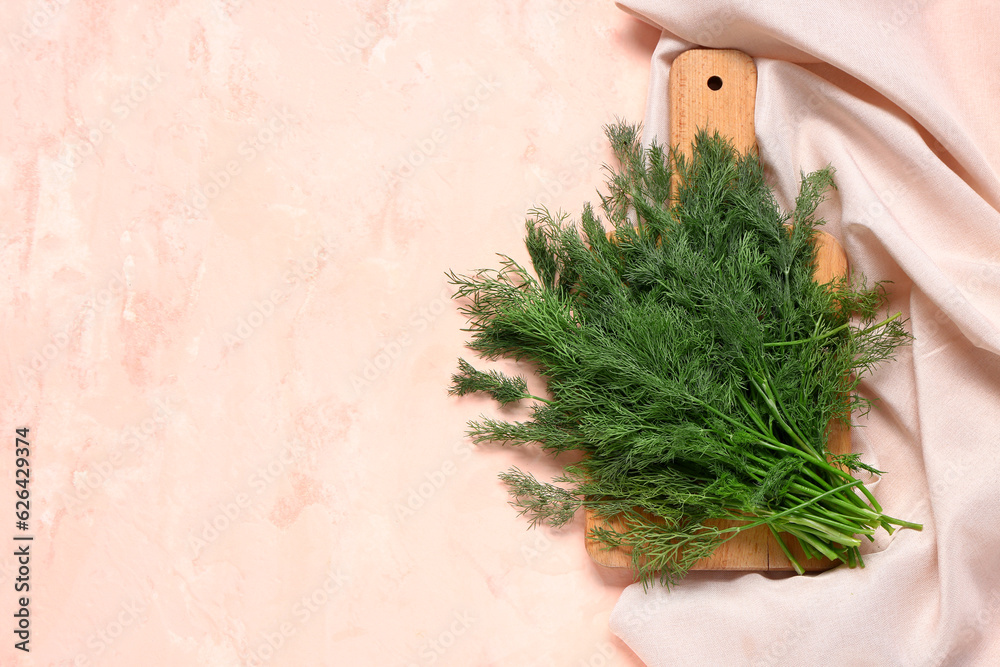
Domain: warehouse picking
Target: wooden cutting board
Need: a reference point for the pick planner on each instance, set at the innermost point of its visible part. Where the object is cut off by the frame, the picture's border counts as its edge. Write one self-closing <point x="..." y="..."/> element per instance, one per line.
<point x="716" y="90"/>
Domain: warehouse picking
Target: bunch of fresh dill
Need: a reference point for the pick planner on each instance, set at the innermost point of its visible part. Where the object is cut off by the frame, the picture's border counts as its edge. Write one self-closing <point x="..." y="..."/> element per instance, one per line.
<point x="690" y="355"/>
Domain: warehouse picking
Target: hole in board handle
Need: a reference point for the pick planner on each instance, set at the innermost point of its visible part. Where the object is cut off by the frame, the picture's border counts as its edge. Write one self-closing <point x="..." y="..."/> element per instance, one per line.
<point x="714" y="82"/>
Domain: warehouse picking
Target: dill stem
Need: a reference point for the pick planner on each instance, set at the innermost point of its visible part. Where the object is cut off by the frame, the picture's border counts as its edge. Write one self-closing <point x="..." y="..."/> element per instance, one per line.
<point x="771" y="401"/>
<point x="773" y="443"/>
<point x="832" y="332"/>
<point x="843" y="523"/>
<point x="792" y="509"/>
<point x="826" y="531"/>
<point x="765" y="439"/>
<point x="788" y="554"/>
<point x="902" y="524"/>
<point x="754" y="415"/>
<point x="804" y="538"/>
<point x="859" y="510"/>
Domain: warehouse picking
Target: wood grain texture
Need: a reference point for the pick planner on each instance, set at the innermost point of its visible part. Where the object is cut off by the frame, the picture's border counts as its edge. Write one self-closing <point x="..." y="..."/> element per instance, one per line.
<point x="716" y="90"/>
<point x="695" y="105"/>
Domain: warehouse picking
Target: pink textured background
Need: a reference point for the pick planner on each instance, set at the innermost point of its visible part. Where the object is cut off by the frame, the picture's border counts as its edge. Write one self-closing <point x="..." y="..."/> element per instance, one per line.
<point x="226" y="322"/>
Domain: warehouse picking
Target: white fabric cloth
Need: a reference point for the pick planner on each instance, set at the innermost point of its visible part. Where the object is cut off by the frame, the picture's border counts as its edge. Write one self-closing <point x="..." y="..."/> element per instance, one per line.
<point x="902" y="99"/>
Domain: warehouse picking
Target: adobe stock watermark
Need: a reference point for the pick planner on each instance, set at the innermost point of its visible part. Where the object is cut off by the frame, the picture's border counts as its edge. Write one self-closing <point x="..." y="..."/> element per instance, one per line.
<point x="40" y="360"/>
<point x="437" y="646"/>
<point x="301" y="271"/>
<point x="902" y="14"/>
<point x="280" y="123"/>
<point x="419" y="321"/>
<point x="230" y="512"/>
<point x="452" y="119"/>
<point x="714" y="27"/>
<point x="969" y="636"/>
<point x="777" y="651"/>
<point x="129" y="616"/>
<point x="537" y="545"/>
<point x="941" y="487"/>
<point x="346" y="49"/>
<point x="229" y="8"/>
<point x="910" y="177"/>
<point x="138" y="91"/>
<point x="653" y="603"/>
<point x="602" y="655"/>
<point x="581" y="161"/>
<point x="271" y="641"/>
<point x="564" y="9"/>
<point x="789" y="122"/>
<point x="433" y="481"/>
<point x="132" y="439"/>
<point x="41" y="17"/>
<point x="985" y="277"/>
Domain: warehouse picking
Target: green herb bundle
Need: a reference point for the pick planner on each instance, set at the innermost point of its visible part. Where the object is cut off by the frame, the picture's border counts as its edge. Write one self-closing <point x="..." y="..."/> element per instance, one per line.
<point x="690" y="356"/>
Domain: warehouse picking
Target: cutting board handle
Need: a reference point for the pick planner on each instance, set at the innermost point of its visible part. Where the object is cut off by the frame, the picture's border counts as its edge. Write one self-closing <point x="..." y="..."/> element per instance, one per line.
<point x="714" y="89"/>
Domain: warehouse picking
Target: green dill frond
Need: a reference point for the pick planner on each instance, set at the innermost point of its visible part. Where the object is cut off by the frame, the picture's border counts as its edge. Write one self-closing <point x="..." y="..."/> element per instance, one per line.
<point x="854" y="462"/>
<point x="541" y="502"/>
<point x="502" y="388"/>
